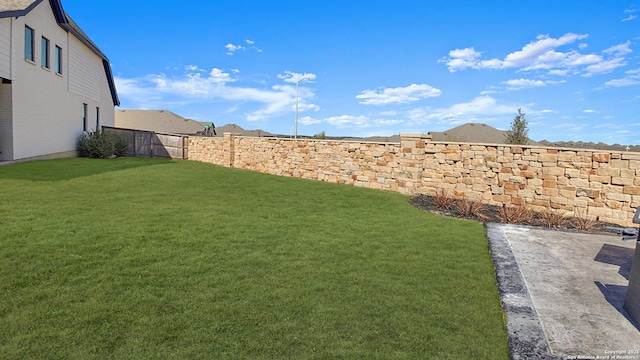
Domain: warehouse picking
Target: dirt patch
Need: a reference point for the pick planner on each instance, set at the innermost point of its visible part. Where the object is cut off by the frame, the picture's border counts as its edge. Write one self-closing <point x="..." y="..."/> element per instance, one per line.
<point x="465" y="209"/>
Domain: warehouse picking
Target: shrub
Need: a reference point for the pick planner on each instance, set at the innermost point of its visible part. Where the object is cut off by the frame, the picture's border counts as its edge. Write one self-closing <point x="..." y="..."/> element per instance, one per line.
<point x="553" y="218"/>
<point x="515" y="214"/>
<point x="583" y="221"/>
<point x="442" y="199"/>
<point x="470" y="208"/>
<point x="102" y="145"/>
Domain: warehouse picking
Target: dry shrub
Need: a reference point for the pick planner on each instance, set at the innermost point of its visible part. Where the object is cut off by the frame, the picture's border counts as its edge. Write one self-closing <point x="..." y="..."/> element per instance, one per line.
<point x="582" y="221"/>
<point x="515" y="214"/>
<point x="442" y="199"/>
<point x="553" y="218"/>
<point x="470" y="208"/>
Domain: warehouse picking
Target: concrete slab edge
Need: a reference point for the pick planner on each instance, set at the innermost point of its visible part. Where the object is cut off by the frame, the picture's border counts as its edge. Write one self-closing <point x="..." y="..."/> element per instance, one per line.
<point x="526" y="336"/>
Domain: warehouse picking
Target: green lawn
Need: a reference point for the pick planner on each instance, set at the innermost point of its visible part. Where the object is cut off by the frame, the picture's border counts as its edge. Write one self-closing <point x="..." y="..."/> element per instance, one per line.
<point x="157" y="259"/>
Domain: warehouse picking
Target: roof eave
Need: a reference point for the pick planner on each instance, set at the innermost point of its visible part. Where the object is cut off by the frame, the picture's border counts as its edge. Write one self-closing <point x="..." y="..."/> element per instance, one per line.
<point x="18" y="13"/>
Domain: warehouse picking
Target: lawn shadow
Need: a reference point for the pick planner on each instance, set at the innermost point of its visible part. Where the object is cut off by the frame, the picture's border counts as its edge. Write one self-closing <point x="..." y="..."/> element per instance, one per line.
<point x="71" y="168"/>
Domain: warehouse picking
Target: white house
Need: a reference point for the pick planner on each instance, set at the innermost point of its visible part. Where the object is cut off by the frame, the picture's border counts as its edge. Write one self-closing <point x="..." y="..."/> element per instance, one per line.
<point x="54" y="82"/>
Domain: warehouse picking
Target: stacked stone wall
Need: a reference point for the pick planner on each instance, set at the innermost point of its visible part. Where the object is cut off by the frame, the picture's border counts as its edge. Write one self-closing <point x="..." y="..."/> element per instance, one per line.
<point x="596" y="183"/>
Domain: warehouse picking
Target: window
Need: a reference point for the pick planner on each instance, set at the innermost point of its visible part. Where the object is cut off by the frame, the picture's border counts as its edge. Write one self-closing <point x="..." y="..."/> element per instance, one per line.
<point x="45" y="53"/>
<point x="85" y="124"/>
<point x="29" y="45"/>
<point x="58" y="58"/>
<point x="97" y="119"/>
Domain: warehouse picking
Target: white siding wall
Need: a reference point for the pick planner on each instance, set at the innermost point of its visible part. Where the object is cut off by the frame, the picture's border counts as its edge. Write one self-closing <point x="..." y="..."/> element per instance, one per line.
<point x="5" y="48"/>
<point x="85" y="70"/>
<point x="47" y="116"/>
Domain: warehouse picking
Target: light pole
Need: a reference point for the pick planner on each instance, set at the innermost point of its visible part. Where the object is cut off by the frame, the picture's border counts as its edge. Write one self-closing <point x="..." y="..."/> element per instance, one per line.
<point x="295" y="126"/>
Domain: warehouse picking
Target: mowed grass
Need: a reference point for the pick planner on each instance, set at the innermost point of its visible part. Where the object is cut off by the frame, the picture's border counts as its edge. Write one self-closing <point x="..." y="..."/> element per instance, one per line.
<point x="157" y="259"/>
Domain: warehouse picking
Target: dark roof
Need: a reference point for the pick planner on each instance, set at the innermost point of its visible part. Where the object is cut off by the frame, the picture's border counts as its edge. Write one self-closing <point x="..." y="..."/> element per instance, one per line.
<point x="17" y="8"/>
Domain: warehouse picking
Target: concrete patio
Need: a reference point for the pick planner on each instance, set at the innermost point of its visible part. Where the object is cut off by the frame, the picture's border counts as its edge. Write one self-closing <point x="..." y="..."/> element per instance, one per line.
<point x="563" y="292"/>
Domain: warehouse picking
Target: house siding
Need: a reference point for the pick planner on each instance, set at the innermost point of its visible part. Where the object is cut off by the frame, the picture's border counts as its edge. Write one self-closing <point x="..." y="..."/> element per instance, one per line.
<point x="5" y="48"/>
<point x="85" y="71"/>
<point x="47" y="115"/>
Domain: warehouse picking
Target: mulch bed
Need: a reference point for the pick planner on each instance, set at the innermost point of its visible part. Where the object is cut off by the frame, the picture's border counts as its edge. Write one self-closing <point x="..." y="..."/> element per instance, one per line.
<point x="461" y="208"/>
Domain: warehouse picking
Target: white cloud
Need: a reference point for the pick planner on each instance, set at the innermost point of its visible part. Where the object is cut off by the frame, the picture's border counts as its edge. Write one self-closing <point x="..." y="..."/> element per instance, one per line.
<point x="308" y="120"/>
<point x="622" y="82"/>
<point x="538" y="52"/>
<point x="589" y="111"/>
<point x="521" y="83"/>
<point x="399" y="95"/>
<point x="460" y="59"/>
<point x="484" y="109"/>
<point x="544" y="54"/>
<point x="352" y="121"/>
<point x="160" y="90"/>
<point x="293" y="77"/>
<point x="630" y="17"/>
<point x="604" y="67"/>
<point x="231" y="49"/>
<point x="348" y="120"/>
<point x="621" y="49"/>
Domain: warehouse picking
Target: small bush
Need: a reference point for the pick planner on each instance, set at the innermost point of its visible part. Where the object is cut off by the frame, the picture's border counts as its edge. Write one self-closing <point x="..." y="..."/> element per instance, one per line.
<point x="442" y="199"/>
<point x="470" y="208"/>
<point x="582" y="221"/>
<point x="515" y="214"/>
<point x="553" y="218"/>
<point x="102" y="145"/>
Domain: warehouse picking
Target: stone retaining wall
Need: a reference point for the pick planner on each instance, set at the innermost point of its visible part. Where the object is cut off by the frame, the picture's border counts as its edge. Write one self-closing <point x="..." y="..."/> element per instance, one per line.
<point x="598" y="183"/>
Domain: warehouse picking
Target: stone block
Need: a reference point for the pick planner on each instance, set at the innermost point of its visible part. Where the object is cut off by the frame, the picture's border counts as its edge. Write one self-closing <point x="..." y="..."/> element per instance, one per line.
<point x="618" y="197"/>
<point x="555" y="171"/>
<point x="549" y="183"/>
<point x="600" y="179"/>
<point x="621" y="181"/>
<point x="601" y="157"/>
<point x="608" y="171"/>
<point x="586" y="192"/>
<point x="620" y="164"/>
<point x="505" y="199"/>
<point x="542" y="203"/>
<point x="548" y="158"/>
<point x="631" y="190"/>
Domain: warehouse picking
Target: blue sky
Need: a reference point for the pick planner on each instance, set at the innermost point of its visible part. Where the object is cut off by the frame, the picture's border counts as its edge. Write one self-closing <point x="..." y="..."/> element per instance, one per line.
<point x="379" y="67"/>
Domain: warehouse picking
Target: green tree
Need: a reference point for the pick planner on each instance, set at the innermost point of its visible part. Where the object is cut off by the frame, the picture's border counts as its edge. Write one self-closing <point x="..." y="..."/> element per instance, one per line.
<point x="519" y="131"/>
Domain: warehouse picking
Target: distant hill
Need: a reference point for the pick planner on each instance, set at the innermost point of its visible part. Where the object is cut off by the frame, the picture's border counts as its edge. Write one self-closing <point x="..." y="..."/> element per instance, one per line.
<point x="470" y="132"/>
<point x="590" y="145"/>
<point x="233" y="128"/>
<point x="473" y="133"/>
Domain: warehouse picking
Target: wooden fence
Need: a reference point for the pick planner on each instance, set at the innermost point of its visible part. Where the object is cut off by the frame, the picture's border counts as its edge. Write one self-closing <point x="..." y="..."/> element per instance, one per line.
<point x="144" y="143"/>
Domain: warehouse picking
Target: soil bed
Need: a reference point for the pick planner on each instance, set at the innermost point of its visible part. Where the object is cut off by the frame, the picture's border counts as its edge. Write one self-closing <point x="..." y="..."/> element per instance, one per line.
<point x="465" y="209"/>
